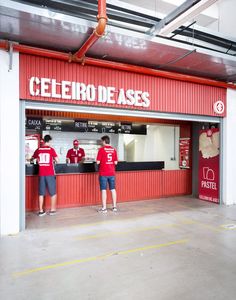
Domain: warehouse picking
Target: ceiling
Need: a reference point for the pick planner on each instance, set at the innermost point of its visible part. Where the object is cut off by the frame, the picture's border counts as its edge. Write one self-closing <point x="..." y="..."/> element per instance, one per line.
<point x="65" y="25"/>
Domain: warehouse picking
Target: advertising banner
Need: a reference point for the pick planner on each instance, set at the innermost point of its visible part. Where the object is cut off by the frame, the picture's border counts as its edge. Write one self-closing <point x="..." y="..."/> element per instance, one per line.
<point x="184" y="150"/>
<point x="209" y="149"/>
<point x="31" y="144"/>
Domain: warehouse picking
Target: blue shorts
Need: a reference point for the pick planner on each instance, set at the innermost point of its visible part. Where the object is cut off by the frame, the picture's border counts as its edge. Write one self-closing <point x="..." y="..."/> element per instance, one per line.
<point x="103" y="180"/>
<point x="48" y="182"/>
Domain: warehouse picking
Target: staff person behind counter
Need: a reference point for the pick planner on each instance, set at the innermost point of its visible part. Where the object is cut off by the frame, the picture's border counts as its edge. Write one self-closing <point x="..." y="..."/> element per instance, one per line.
<point x="76" y="154"/>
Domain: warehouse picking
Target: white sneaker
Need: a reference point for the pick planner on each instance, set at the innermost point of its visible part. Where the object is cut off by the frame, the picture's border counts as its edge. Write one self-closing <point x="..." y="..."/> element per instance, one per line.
<point x="114" y="209"/>
<point x="52" y="212"/>
<point x="102" y="210"/>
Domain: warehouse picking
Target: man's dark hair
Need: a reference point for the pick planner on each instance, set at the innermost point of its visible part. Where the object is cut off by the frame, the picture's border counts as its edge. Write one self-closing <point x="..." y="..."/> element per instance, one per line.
<point x="105" y="139"/>
<point x="47" y="138"/>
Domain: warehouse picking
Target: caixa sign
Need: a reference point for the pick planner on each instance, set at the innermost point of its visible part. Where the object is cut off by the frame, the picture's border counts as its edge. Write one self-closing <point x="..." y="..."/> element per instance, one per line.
<point x="34" y="123"/>
<point x="79" y="91"/>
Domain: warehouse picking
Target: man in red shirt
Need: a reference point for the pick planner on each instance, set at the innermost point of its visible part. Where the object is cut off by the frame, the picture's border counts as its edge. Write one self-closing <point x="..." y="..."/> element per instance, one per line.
<point x="75" y="154"/>
<point x="107" y="160"/>
<point x="46" y="156"/>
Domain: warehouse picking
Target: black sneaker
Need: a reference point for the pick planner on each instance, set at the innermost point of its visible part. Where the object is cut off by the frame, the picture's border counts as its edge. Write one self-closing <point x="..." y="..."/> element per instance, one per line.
<point x="41" y="213"/>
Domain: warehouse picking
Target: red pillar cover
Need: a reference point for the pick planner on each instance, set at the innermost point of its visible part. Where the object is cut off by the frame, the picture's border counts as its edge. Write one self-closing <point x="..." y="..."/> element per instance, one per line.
<point x="209" y="150"/>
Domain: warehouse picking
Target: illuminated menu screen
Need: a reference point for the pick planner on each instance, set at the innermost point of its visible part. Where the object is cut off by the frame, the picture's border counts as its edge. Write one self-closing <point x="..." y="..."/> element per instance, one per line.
<point x="85" y="126"/>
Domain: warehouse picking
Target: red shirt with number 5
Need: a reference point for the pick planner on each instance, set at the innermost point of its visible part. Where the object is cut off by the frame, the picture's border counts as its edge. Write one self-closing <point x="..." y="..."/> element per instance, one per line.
<point x="107" y="156"/>
<point x="45" y="156"/>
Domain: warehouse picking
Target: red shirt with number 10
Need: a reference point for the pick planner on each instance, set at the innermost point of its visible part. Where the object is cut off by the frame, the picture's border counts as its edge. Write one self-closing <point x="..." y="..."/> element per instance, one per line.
<point x="107" y="156"/>
<point x="45" y="156"/>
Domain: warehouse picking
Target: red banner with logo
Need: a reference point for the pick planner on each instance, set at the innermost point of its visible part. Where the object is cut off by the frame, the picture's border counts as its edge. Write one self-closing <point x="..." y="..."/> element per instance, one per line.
<point x="209" y="150"/>
<point x="184" y="151"/>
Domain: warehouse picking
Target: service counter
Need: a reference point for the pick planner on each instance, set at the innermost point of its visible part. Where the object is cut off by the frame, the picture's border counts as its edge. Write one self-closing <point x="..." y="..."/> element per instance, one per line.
<point x="77" y="184"/>
<point x="92" y="167"/>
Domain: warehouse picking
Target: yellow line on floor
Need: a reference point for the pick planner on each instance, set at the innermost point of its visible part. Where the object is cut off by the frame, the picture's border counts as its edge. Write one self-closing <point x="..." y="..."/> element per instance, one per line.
<point x="97" y="236"/>
<point x="210" y="227"/>
<point x="95" y="258"/>
<point x="94" y="224"/>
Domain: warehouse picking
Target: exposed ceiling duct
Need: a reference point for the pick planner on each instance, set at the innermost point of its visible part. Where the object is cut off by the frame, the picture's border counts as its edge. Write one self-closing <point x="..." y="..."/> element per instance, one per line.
<point x="64" y="26"/>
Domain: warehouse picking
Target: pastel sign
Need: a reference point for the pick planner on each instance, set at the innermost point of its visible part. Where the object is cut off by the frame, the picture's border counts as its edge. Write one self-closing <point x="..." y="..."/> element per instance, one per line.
<point x="71" y="90"/>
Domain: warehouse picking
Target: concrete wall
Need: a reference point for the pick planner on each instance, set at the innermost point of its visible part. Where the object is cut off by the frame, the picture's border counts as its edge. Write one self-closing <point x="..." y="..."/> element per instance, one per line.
<point x="9" y="145"/>
<point x="160" y="144"/>
<point x="227" y="20"/>
<point x="229" y="155"/>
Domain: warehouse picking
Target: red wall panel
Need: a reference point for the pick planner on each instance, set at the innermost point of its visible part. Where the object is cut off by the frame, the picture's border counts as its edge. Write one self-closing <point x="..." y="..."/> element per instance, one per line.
<point x="83" y="189"/>
<point x="166" y="95"/>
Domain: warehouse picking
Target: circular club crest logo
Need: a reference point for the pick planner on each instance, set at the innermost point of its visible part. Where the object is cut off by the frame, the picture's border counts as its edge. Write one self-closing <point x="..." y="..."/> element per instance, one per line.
<point x="219" y="107"/>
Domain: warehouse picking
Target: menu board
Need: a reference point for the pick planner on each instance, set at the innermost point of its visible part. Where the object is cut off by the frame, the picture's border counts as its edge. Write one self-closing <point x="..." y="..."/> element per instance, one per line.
<point x="125" y="128"/>
<point x="53" y="124"/>
<point x="31" y="144"/>
<point x="109" y="127"/>
<point x="34" y="123"/>
<point x="139" y="129"/>
<point x="129" y="128"/>
<point x="81" y="125"/>
<point x="92" y="126"/>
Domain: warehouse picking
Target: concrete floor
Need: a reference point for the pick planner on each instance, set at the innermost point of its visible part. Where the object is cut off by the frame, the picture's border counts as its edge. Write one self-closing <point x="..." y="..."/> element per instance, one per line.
<point x="175" y="248"/>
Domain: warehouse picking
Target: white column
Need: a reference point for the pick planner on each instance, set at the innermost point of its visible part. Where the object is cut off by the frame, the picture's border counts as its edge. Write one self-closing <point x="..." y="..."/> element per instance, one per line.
<point x="9" y="145"/>
<point x="229" y="145"/>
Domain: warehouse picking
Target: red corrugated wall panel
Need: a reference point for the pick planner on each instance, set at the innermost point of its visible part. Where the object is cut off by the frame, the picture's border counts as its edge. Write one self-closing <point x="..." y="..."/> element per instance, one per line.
<point x="166" y="95"/>
<point x="83" y="189"/>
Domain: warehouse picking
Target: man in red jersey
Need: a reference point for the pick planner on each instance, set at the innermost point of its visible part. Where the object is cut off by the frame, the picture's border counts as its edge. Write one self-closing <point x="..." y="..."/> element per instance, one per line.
<point x="46" y="156"/>
<point x="75" y="154"/>
<point x="107" y="160"/>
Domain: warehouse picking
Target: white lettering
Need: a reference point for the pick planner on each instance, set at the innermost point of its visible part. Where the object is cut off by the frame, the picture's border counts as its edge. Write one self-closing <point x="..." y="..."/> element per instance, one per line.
<point x="73" y="90"/>
<point x="34" y="81"/>
<point x="209" y="185"/>
<point x="65" y="89"/>
<point x="121" y="97"/>
<point x="45" y="83"/>
<point x="81" y="91"/>
<point x="102" y="94"/>
<point x="110" y="94"/>
<point x="91" y="92"/>
<point x="46" y="87"/>
<point x="137" y="96"/>
<point x="34" y="122"/>
<point x="146" y="101"/>
<point x="130" y="97"/>
<point x="54" y="89"/>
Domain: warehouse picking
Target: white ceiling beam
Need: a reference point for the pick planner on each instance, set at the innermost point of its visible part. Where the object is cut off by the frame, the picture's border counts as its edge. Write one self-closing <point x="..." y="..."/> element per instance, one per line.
<point x="187" y="15"/>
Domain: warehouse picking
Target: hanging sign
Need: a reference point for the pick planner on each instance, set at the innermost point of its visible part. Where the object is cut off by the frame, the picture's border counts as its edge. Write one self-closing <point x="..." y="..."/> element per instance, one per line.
<point x="184" y="150"/>
<point x="34" y="123"/>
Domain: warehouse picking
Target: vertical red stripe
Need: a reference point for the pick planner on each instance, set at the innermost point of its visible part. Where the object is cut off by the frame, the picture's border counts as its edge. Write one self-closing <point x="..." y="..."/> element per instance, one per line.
<point x="166" y="95"/>
<point x="83" y="189"/>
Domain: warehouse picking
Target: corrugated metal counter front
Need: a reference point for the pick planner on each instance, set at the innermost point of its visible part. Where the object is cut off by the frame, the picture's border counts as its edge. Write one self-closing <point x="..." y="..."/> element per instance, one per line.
<point x="77" y="185"/>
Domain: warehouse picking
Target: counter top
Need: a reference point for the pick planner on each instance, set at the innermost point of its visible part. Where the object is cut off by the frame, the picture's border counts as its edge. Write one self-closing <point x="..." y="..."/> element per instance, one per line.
<point x="31" y="169"/>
